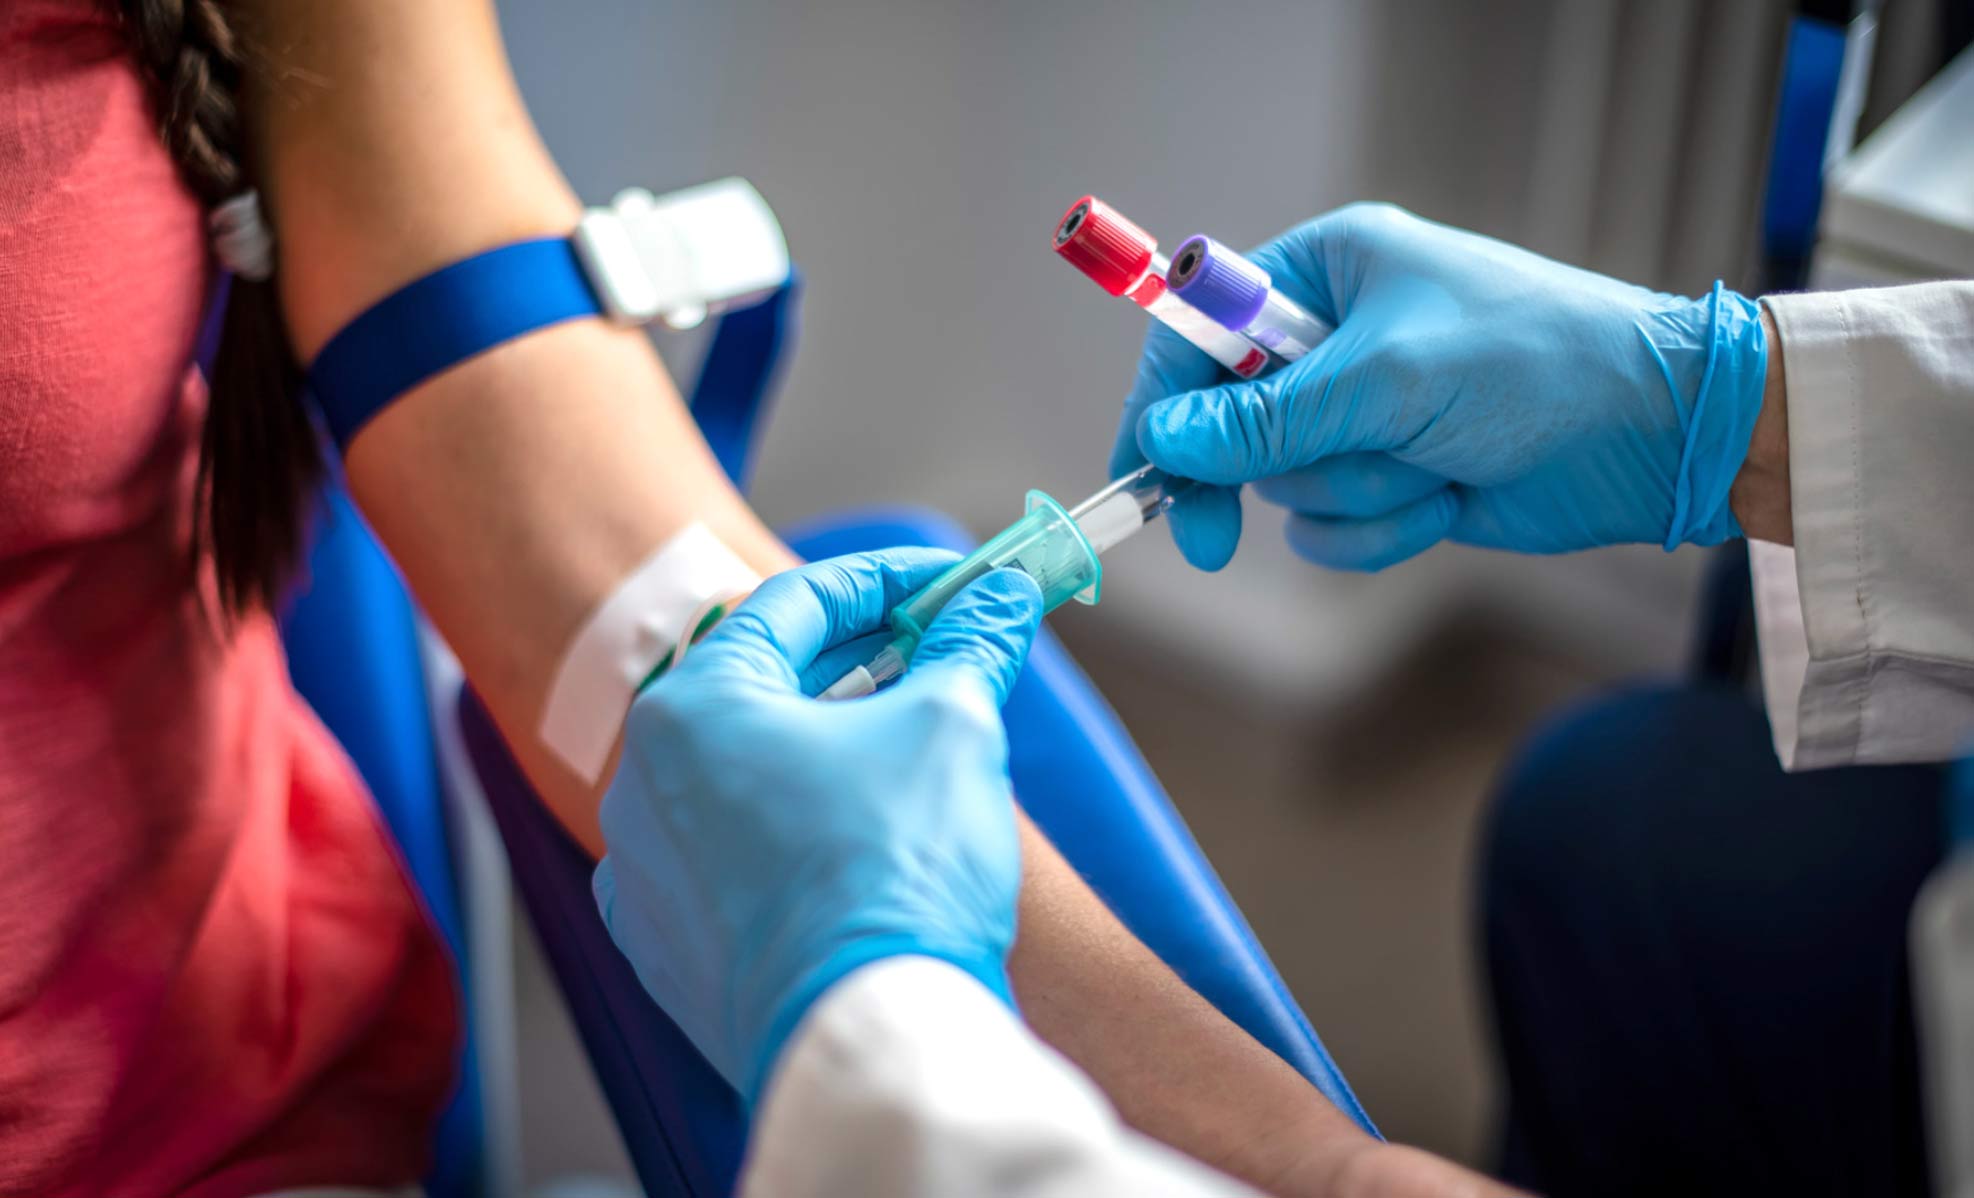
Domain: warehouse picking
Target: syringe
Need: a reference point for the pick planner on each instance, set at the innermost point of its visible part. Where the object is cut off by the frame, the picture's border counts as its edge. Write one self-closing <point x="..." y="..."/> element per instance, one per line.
<point x="1057" y="547"/>
<point x="1124" y="260"/>
<point x="1241" y="298"/>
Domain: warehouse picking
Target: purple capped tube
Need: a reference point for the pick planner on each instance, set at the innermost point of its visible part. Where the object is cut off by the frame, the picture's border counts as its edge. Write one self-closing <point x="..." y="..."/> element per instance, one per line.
<point x="1240" y="296"/>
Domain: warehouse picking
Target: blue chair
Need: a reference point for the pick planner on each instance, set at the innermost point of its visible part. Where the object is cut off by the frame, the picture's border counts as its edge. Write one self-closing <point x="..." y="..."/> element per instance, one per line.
<point x="1074" y="767"/>
<point x="352" y="643"/>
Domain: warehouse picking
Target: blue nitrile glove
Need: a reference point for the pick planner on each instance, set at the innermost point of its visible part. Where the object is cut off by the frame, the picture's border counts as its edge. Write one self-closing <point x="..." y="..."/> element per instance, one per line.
<point x="1472" y="391"/>
<point x="763" y="844"/>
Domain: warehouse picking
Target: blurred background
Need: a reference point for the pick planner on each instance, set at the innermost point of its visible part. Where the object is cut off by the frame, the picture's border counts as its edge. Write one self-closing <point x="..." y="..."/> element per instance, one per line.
<point x="1331" y="739"/>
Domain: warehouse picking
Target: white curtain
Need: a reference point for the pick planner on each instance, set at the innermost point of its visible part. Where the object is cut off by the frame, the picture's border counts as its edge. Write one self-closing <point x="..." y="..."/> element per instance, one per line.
<point x="1628" y="136"/>
<point x="1651" y="136"/>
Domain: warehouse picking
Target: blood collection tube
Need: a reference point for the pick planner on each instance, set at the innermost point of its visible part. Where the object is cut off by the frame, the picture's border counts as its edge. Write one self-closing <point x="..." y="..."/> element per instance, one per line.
<point x="1240" y="296"/>
<point x="1124" y="260"/>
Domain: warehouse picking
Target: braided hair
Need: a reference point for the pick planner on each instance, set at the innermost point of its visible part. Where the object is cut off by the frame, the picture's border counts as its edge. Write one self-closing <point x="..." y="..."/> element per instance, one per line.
<point x="259" y="460"/>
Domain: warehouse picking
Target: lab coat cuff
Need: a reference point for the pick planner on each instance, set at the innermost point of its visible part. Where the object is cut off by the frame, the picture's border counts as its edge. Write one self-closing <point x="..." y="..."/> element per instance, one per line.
<point x="905" y="1035"/>
<point x="912" y="1000"/>
<point x="1816" y="660"/>
<point x="987" y="969"/>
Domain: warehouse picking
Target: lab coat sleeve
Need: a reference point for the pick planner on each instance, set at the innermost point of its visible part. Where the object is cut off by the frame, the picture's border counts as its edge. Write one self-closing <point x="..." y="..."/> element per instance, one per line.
<point x="909" y="1080"/>
<point x="1867" y="625"/>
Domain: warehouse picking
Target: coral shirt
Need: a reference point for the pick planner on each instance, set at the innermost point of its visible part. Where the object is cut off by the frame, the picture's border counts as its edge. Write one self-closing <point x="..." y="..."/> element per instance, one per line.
<point x="215" y="979"/>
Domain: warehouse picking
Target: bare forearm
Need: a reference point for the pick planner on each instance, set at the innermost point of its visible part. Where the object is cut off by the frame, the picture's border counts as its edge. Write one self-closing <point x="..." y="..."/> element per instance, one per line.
<point x="1175" y="1068"/>
<point x="1760" y="497"/>
<point x="1181" y="1072"/>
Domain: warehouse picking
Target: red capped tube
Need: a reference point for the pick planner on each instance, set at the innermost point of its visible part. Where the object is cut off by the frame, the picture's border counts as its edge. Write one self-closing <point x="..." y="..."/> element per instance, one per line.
<point x="1096" y="240"/>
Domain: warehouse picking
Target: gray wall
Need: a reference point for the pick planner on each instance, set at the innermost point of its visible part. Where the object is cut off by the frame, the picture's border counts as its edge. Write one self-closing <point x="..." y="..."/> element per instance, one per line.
<point x="920" y="151"/>
<point x="919" y="154"/>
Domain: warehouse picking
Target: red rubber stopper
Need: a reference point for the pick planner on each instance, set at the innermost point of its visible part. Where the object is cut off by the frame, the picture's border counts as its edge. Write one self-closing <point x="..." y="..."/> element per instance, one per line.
<point x="1094" y="239"/>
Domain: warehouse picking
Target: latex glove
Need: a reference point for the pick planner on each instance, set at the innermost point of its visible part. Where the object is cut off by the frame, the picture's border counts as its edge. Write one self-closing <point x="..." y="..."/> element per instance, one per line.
<point x="1472" y="391"/>
<point x="763" y="844"/>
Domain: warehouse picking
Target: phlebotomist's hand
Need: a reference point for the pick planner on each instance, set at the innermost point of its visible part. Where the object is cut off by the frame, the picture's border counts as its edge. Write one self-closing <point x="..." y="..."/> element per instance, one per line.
<point x="763" y="844"/>
<point x="1472" y="391"/>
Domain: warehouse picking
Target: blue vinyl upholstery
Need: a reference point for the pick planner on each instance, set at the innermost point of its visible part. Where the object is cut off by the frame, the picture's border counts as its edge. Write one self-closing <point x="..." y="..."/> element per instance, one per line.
<point x="352" y="641"/>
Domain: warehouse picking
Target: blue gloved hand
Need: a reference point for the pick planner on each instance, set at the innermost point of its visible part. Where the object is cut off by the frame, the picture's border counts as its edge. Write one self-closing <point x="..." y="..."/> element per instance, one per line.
<point x="763" y="844"/>
<point x="1472" y="391"/>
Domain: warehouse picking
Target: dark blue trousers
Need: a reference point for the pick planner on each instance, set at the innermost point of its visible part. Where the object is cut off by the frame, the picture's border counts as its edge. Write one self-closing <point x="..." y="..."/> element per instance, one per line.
<point x="1698" y="963"/>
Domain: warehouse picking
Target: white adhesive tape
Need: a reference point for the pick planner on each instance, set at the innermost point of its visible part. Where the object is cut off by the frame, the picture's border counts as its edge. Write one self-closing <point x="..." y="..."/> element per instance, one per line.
<point x="626" y="636"/>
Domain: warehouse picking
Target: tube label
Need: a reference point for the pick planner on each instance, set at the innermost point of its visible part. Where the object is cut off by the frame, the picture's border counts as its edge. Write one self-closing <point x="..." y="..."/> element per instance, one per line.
<point x="1228" y="348"/>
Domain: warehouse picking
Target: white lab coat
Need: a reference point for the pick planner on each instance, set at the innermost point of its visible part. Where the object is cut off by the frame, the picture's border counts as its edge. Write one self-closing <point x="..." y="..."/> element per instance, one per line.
<point x="1867" y="625"/>
<point x="909" y="1080"/>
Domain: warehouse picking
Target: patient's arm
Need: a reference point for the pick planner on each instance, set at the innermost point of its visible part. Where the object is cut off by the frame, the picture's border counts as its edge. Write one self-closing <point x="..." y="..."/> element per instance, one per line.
<point x="1170" y="1061"/>
<point x="516" y="489"/>
<point x="1177" y="1070"/>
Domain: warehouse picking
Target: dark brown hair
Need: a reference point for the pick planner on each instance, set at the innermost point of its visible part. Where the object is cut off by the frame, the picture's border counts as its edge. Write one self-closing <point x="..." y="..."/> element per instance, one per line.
<point x="259" y="460"/>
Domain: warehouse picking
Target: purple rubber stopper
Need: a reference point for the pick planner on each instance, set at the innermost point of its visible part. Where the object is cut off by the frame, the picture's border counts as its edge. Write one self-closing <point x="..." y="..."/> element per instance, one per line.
<point x="1219" y="282"/>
